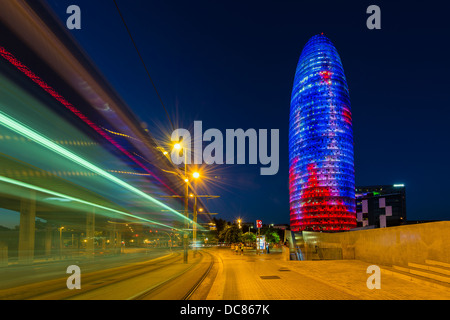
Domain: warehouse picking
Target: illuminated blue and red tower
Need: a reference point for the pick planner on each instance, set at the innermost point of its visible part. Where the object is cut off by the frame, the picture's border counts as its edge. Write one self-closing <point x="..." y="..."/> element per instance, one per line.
<point x="321" y="167"/>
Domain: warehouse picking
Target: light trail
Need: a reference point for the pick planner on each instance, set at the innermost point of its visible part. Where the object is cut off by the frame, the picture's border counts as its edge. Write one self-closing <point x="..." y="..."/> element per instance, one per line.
<point x="29" y="133"/>
<point x="60" y="195"/>
<point x="47" y="88"/>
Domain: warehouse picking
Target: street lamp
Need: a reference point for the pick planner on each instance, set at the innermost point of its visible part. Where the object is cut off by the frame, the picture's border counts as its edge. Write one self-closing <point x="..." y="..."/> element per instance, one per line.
<point x="178" y="147"/>
<point x="196" y="175"/>
<point x="60" y="242"/>
<point x="187" y="179"/>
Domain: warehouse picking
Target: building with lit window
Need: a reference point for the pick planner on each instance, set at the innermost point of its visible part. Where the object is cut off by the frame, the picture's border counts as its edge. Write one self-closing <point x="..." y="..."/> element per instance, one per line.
<point x="381" y="206"/>
<point x="321" y="166"/>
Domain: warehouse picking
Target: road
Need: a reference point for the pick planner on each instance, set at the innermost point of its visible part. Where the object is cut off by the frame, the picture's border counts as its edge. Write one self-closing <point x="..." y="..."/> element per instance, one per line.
<point x="158" y="274"/>
<point x="216" y="274"/>
<point x="272" y="277"/>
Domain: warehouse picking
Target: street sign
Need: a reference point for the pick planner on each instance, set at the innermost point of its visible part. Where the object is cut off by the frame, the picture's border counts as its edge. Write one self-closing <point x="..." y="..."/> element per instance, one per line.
<point x="258" y="224"/>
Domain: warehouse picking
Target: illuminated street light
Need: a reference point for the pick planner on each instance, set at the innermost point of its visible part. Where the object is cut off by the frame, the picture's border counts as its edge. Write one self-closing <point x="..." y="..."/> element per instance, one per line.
<point x="177" y="146"/>
<point x="195" y="176"/>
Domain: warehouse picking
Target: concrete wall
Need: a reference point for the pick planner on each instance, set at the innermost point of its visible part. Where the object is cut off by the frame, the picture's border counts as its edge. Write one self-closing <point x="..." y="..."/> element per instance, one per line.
<point x="387" y="246"/>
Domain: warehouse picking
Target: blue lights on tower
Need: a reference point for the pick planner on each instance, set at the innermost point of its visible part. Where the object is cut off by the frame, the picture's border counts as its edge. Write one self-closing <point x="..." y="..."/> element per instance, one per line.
<point x="321" y="166"/>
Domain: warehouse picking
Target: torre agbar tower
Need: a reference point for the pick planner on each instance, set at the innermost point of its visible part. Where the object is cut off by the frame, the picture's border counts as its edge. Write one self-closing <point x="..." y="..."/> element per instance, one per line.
<point x="321" y="168"/>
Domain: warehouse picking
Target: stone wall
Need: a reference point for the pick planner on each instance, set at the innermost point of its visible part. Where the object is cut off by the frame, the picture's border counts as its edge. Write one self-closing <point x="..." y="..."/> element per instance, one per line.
<point x="385" y="246"/>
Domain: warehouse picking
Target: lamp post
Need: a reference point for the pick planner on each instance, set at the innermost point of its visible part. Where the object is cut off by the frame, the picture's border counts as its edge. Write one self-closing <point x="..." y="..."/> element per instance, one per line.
<point x="194" y="229"/>
<point x="60" y="242"/>
<point x="186" y="180"/>
<point x="178" y="147"/>
<point x="196" y="175"/>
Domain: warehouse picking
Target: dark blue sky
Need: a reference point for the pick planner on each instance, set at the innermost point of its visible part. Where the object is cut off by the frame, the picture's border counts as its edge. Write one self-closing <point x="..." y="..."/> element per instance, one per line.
<point x="231" y="64"/>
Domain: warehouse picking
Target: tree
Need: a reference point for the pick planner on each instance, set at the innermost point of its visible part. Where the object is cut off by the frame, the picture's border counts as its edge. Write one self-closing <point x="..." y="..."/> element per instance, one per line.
<point x="249" y="237"/>
<point x="272" y="237"/>
<point x="220" y="226"/>
<point x="231" y="234"/>
<point x="272" y="234"/>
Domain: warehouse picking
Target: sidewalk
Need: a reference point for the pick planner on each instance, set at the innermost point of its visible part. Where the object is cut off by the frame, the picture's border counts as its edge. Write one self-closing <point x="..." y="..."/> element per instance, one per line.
<point x="271" y="277"/>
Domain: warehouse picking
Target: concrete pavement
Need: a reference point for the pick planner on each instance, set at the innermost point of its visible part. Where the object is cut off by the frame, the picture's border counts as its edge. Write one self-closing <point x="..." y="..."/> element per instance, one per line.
<point x="273" y="277"/>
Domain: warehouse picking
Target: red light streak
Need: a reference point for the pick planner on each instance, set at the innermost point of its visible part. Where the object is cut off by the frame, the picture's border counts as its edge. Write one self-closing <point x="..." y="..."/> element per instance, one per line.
<point x="36" y="79"/>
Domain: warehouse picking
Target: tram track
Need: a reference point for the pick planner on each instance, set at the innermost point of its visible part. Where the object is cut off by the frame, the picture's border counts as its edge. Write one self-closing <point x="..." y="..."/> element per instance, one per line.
<point x="150" y="292"/>
<point x="200" y="281"/>
<point x="180" y="281"/>
<point x="56" y="289"/>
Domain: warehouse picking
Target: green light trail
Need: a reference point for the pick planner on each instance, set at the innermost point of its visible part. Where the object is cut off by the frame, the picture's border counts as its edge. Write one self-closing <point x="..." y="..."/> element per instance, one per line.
<point x="60" y="195"/>
<point x="29" y="133"/>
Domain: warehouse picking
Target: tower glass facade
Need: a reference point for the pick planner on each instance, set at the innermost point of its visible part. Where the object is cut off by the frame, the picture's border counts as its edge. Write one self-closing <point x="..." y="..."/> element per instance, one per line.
<point x="321" y="167"/>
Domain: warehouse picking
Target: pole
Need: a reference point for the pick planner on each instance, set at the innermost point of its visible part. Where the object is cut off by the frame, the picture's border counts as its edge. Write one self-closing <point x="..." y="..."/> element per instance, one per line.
<point x="194" y="231"/>
<point x="60" y="243"/>
<point x="258" y="241"/>
<point x="186" y="210"/>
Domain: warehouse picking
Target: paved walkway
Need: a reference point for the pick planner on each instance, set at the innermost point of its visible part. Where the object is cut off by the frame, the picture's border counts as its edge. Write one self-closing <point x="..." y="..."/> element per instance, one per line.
<point x="271" y="277"/>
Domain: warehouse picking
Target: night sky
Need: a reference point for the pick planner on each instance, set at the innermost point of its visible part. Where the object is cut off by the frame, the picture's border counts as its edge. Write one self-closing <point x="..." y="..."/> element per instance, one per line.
<point x="231" y="64"/>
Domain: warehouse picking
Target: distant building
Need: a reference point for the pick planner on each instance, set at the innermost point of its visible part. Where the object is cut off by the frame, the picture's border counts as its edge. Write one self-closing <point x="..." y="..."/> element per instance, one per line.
<point x="247" y="226"/>
<point x="280" y="226"/>
<point x="381" y="206"/>
<point x="209" y="225"/>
